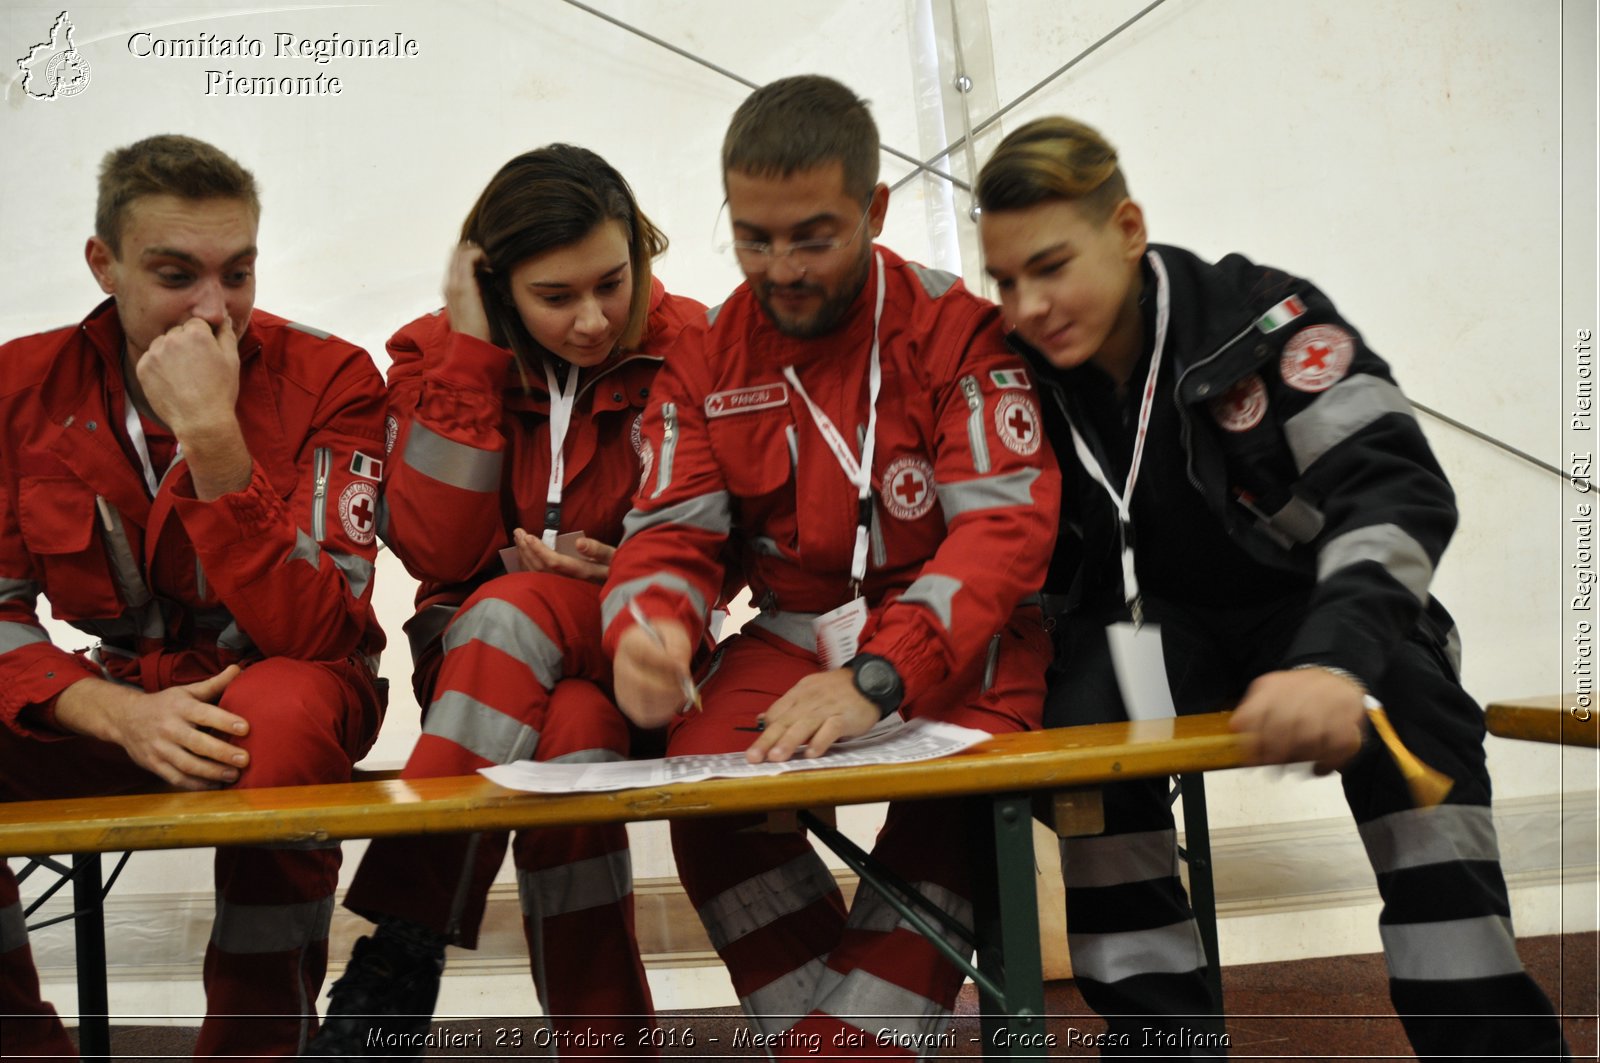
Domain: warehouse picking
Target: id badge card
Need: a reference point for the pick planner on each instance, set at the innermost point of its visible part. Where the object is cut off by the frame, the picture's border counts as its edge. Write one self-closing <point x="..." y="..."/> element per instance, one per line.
<point x="1141" y="669"/>
<point x="838" y="633"/>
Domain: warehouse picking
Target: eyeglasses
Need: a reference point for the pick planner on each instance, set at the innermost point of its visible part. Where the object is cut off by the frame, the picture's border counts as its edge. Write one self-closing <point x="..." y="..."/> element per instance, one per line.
<point x="757" y="256"/>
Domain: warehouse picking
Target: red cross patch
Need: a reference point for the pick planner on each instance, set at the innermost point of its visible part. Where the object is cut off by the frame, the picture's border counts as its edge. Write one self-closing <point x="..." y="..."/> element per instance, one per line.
<point x="1242" y="406"/>
<point x="1016" y="420"/>
<point x="908" y="488"/>
<point x="358" y="512"/>
<point x="1317" y="357"/>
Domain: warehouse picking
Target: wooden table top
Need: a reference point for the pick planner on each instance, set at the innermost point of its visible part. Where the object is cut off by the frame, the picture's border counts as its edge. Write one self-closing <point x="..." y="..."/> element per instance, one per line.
<point x="1036" y="760"/>
<point x="1566" y="719"/>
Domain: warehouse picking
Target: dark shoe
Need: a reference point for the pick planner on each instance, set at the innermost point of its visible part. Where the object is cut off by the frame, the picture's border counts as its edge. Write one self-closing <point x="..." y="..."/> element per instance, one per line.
<point x="382" y="1005"/>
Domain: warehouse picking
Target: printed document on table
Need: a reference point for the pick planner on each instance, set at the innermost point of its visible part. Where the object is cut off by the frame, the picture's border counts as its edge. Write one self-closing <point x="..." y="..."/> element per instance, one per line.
<point x="896" y="744"/>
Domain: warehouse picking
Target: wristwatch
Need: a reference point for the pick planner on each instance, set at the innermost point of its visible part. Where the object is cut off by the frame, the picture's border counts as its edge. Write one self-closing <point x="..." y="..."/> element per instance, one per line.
<point x="878" y="682"/>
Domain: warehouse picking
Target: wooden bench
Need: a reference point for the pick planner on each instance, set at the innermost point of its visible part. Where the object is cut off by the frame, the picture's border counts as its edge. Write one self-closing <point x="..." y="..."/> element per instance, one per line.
<point x="1564" y="719"/>
<point x="1011" y="770"/>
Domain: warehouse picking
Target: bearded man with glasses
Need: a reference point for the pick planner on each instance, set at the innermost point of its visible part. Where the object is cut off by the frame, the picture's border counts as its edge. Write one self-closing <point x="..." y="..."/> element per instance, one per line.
<point x="878" y="398"/>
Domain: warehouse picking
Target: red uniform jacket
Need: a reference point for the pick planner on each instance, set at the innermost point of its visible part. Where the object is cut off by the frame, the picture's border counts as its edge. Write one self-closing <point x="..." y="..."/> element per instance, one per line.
<point x="471" y="452"/>
<point x="965" y="492"/>
<point x="176" y="588"/>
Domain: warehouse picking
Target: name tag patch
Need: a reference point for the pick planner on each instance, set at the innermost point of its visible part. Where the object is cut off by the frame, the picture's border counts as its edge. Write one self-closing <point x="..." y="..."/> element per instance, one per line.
<point x="747" y="400"/>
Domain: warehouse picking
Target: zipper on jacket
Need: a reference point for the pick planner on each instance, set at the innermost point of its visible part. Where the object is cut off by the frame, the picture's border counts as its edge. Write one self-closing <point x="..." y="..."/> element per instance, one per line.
<point x="669" y="446"/>
<point x="321" y="466"/>
<point x="991" y="665"/>
<point x="200" y="589"/>
<point x="976" y="436"/>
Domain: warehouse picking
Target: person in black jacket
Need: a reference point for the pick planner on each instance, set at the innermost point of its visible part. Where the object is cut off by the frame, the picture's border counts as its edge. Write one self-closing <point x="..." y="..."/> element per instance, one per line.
<point x="1250" y="515"/>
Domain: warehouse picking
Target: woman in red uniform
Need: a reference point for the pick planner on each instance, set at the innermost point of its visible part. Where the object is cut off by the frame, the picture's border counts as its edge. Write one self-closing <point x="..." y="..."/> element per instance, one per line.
<point x="514" y="429"/>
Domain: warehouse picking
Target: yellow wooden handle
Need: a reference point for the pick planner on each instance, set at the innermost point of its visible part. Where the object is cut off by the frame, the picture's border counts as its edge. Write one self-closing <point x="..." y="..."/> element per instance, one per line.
<point x="1428" y="785"/>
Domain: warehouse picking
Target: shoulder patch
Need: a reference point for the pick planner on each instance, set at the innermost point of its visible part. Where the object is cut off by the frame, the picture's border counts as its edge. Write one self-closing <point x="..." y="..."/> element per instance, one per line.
<point x="1316" y="358"/>
<point x="934" y="281"/>
<point x="1281" y="315"/>
<point x="746" y="400"/>
<point x="1242" y="406"/>
<point x="908" y="488"/>
<point x="1016" y="422"/>
<point x="1010" y="378"/>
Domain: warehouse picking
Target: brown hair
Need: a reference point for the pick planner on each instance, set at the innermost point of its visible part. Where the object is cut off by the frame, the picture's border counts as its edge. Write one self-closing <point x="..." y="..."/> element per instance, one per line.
<point x="801" y="123"/>
<point x="546" y="199"/>
<point x="1053" y="158"/>
<point x="166" y="165"/>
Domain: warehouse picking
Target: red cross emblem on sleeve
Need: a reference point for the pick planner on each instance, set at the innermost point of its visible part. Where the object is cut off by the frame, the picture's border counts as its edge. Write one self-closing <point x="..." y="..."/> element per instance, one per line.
<point x="1317" y="357"/>
<point x="358" y="512"/>
<point x="1016" y="422"/>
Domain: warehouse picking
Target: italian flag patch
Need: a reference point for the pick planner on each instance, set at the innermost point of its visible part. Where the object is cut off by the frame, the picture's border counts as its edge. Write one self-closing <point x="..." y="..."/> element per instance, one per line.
<point x="1281" y="315"/>
<point x="1010" y="378"/>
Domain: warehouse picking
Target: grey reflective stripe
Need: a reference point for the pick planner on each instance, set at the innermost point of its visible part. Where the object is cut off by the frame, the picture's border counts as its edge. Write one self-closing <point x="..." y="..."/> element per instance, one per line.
<point x="871" y="912"/>
<point x="18" y="590"/>
<point x="936" y="592"/>
<point x="482" y="730"/>
<point x="202" y="587"/>
<point x="934" y="281"/>
<point x="357" y="571"/>
<point x="1171" y="949"/>
<point x="1341" y="412"/>
<point x="14" y="635"/>
<point x="1118" y="859"/>
<point x="712" y="512"/>
<point x="244" y="929"/>
<point x="880" y="549"/>
<point x="13" y="928"/>
<point x="1451" y="950"/>
<point x="1297" y="522"/>
<point x="793" y="628"/>
<point x="1388" y="544"/>
<point x="305" y="549"/>
<point x="496" y="622"/>
<point x="893" y="1014"/>
<point x="774" y="1007"/>
<point x="234" y="638"/>
<point x="575" y="887"/>
<point x="308" y="330"/>
<point x="765" y="898"/>
<point x="987" y="492"/>
<point x="450" y="462"/>
<point x="382" y="526"/>
<point x="711" y="315"/>
<point x="977" y="430"/>
<point x="1421" y="836"/>
<point x="618" y="599"/>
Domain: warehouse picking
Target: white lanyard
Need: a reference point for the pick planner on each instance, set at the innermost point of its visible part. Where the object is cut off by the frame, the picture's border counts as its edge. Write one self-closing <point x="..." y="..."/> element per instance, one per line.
<point x="858" y="473"/>
<point x="136" y="436"/>
<point x="561" y="402"/>
<point x="1124" y="500"/>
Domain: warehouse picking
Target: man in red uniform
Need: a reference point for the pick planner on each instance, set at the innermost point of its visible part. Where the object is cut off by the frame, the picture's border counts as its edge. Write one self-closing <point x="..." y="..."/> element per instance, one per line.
<point x="190" y="484"/>
<point x="877" y="396"/>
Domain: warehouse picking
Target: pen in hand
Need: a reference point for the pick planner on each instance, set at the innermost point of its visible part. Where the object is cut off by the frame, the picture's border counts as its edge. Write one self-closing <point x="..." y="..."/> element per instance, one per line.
<point x="691" y="693"/>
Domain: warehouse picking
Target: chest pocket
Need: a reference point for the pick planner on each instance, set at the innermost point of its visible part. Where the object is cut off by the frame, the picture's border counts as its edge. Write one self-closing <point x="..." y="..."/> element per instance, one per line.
<point x="57" y="518"/>
<point x="753" y="449"/>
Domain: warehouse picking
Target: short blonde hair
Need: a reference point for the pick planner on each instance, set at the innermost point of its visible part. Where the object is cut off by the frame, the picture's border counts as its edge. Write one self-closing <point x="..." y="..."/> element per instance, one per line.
<point x="1053" y="158"/>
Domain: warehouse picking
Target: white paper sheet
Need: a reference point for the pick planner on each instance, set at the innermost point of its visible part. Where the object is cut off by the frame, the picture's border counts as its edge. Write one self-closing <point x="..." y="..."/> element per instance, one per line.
<point x="903" y="744"/>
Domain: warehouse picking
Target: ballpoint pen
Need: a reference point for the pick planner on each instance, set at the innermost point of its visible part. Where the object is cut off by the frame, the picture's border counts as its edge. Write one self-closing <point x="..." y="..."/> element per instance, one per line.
<point x="691" y="693"/>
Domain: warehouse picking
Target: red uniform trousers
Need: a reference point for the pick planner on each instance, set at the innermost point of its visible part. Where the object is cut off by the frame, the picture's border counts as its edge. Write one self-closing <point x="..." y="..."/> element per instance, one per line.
<point x="523" y="676"/>
<point x="309" y="722"/>
<point x="798" y="961"/>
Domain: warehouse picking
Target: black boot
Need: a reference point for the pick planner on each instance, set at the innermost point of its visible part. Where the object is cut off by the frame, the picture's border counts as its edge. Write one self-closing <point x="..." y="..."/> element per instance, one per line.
<point x="383" y="1003"/>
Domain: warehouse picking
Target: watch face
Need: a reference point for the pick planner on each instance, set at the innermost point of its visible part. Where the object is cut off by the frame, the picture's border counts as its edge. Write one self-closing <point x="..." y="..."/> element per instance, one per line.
<point x="876" y="679"/>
